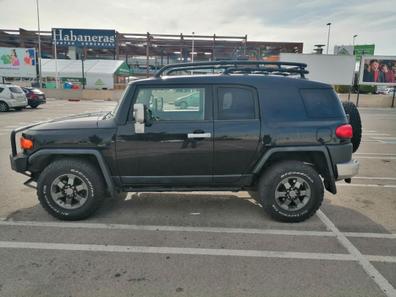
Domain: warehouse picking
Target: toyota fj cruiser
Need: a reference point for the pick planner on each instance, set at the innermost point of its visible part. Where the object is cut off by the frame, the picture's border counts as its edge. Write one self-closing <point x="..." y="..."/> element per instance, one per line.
<point x="253" y="126"/>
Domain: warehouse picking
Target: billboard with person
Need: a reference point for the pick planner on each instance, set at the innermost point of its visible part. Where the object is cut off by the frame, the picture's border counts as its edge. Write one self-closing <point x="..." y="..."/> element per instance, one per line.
<point x="17" y="62"/>
<point x="378" y="70"/>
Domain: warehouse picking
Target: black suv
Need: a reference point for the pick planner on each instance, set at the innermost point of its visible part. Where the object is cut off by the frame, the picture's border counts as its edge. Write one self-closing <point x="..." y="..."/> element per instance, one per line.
<point x="253" y="126"/>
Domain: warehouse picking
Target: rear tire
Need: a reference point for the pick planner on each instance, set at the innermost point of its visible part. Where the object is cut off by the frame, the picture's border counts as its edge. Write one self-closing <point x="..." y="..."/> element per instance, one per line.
<point x="70" y="189"/>
<point x="356" y="123"/>
<point x="290" y="191"/>
<point x="3" y="107"/>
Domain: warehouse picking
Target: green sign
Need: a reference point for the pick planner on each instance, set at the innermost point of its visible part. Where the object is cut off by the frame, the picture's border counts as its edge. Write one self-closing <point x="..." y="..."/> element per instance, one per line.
<point x="123" y="70"/>
<point x="364" y="49"/>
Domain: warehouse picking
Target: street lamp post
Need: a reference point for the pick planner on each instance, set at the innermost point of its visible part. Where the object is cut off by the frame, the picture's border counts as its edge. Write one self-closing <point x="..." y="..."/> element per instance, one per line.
<point x="328" y="38"/>
<point x="353" y="40"/>
<point x="192" y="48"/>
<point x="39" y="44"/>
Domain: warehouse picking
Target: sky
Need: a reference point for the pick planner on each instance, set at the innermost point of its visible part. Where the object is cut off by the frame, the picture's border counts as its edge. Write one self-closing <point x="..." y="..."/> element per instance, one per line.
<point x="304" y="21"/>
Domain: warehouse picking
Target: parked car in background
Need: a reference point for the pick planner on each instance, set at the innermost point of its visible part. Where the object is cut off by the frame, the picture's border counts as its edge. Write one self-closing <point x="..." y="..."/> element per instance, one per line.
<point x="34" y="96"/>
<point x="12" y="96"/>
<point x="189" y="100"/>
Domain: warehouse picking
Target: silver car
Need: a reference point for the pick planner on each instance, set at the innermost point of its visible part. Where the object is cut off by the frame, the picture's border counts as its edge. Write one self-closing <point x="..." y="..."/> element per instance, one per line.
<point x="12" y="96"/>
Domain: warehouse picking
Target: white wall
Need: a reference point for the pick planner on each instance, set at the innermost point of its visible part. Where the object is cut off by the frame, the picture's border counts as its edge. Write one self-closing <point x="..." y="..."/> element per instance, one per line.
<point x="331" y="69"/>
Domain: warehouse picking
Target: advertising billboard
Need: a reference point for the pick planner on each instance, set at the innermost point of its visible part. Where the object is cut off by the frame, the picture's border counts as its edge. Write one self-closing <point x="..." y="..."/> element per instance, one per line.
<point x="343" y="50"/>
<point x="330" y="69"/>
<point x="17" y="62"/>
<point x="84" y="38"/>
<point x="378" y="70"/>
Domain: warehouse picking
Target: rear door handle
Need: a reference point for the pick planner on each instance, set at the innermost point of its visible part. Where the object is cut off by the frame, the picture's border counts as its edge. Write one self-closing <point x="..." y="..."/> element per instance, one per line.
<point x="199" y="135"/>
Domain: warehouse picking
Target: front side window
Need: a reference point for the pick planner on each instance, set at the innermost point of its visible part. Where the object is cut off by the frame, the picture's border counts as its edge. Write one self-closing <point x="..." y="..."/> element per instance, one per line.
<point x="235" y="104"/>
<point x="173" y="104"/>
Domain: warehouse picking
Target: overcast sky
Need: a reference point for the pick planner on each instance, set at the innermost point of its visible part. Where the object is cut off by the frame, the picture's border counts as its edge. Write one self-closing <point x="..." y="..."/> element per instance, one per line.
<point x="278" y="20"/>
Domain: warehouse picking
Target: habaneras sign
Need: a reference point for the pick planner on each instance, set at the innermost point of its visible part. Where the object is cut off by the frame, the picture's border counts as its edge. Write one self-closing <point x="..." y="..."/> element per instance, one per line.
<point x="84" y="38"/>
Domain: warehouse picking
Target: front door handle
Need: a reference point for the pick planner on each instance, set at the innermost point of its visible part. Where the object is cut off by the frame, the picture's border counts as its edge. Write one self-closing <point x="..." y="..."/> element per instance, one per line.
<point x="199" y="135"/>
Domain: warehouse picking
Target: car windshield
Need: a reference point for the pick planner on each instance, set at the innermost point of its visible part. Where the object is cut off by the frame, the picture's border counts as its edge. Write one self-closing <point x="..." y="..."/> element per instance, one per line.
<point x="115" y="110"/>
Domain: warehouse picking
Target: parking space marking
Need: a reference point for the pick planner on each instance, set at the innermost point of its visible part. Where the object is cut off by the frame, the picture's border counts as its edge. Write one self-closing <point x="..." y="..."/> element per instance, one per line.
<point x="365" y="185"/>
<point x="373" y="154"/>
<point x="369" y="268"/>
<point x="193" y="251"/>
<point x="375" y="178"/>
<point x="376" y="157"/>
<point x="384" y="259"/>
<point x="4" y="222"/>
<point x="166" y="228"/>
<point x="174" y="250"/>
<point x="370" y="235"/>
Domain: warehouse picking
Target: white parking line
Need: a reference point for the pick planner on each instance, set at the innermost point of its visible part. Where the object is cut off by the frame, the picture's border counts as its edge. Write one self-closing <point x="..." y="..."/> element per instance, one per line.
<point x="340" y="184"/>
<point x="192" y="251"/>
<point x="173" y="250"/>
<point x="4" y="222"/>
<point x="375" y="157"/>
<point x="381" y="281"/>
<point x="374" y="178"/>
<point x="385" y="259"/>
<point x="165" y="228"/>
<point x="376" y="154"/>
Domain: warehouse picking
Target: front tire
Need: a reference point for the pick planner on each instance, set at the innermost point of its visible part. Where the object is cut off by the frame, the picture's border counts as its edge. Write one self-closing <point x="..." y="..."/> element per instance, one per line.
<point x="290" y="191"/>
<point x="70" y="189"/>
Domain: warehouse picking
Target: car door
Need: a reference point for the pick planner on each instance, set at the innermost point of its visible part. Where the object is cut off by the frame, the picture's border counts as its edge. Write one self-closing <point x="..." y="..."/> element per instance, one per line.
<point x="176" y="148"/>
<point x="237" y="133"/>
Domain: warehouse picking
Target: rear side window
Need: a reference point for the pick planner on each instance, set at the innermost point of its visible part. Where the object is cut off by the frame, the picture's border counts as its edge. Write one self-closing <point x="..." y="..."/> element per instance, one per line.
<point x="1" y="90"/>
<point x="235" y="104"/>
<point x="321" y="103"/>
<point x="16" y="90"/>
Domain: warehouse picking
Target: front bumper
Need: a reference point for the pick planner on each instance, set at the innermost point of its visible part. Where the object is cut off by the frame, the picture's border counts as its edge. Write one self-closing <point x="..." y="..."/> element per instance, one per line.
<point x="19" y="162"/>
<point x="348" y="169"/>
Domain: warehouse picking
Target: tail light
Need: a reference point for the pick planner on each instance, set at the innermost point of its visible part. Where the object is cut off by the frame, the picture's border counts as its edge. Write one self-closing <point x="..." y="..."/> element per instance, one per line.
<point x="344" y="131"/>
<point x="26" y="144"/>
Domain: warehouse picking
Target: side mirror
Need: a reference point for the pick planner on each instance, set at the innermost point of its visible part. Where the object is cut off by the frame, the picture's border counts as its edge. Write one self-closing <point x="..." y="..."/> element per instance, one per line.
<point x="138" y="114"/>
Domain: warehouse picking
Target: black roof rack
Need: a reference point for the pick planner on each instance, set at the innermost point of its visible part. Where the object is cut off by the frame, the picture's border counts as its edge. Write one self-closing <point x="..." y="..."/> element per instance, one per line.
<point x="240" y="67"/>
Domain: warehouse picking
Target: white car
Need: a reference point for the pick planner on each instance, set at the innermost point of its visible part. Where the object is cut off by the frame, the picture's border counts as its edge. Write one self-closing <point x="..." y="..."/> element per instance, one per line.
<point x="12" y="96"/>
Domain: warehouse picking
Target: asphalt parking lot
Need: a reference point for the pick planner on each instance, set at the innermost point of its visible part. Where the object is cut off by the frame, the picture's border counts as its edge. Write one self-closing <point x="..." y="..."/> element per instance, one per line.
<point x="203" y="244"/>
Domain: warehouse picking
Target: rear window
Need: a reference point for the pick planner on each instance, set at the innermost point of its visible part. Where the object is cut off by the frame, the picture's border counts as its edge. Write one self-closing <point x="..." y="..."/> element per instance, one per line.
<point x="16" y="90"/>
<point x="37" y="91"/>
<point x="235" y="104"/>
<point x="321" y="103"/>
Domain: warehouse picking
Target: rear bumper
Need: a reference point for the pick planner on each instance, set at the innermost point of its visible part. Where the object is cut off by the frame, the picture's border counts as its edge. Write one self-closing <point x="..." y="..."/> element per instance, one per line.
<point x="348" y="169"/>
<point x="37" y="101"/>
